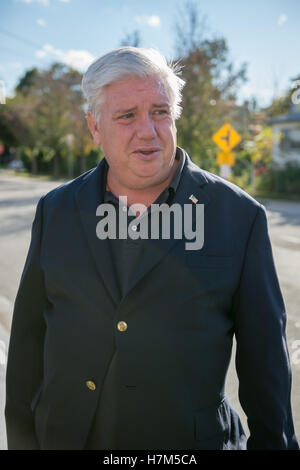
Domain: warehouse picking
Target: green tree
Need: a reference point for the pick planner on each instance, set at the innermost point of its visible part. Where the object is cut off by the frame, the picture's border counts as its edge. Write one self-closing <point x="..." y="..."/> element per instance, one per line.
<point x="209" y="97"/>
<point x="48" y="107"/>
<point x="27" y="81"/>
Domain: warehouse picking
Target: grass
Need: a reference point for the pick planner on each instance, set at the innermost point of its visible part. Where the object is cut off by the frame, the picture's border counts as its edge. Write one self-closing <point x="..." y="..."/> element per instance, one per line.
<point x="275" y="196"/>
<point x="26" y="174"/>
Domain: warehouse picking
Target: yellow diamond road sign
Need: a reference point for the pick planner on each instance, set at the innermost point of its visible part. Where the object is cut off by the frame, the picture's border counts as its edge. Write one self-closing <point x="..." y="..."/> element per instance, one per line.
<point x="226" y="138"/>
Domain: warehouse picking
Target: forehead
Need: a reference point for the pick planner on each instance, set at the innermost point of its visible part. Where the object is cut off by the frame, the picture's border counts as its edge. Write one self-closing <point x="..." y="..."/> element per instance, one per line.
<point x="134" y="90"/>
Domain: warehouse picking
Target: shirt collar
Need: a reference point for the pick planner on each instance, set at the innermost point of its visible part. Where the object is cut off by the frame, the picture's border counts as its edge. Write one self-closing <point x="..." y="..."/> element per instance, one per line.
<point x="179" y="156"/>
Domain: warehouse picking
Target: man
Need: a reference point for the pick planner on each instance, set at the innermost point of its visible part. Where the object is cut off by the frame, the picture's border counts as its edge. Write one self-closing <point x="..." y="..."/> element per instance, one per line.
<point x="123" y="342"/>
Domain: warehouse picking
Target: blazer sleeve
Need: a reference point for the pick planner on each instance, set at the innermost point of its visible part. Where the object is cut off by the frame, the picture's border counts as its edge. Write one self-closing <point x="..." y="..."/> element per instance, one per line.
<point x="262" y="359"/>
<point x="25" y="355"/>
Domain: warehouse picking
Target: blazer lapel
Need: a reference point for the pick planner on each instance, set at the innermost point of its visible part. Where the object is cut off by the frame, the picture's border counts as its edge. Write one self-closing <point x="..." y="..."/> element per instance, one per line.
<point x="88" y="197"/>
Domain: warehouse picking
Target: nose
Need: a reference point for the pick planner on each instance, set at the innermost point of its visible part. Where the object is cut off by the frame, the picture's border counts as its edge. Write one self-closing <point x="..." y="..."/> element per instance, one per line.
<point x="146" y="128"/>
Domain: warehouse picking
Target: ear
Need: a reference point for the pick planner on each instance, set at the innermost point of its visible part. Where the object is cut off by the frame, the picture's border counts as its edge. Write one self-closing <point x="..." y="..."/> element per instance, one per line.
<point x="93" y="127"/>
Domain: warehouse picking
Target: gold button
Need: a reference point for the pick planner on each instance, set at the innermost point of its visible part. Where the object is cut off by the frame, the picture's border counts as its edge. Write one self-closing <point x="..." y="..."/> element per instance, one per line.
<point x="91" y="385"/>
<point x="122" y="326"/>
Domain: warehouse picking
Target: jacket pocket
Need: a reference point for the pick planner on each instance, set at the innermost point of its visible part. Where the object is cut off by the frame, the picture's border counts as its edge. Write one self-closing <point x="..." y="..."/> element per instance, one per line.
<point x="212" y="426"/>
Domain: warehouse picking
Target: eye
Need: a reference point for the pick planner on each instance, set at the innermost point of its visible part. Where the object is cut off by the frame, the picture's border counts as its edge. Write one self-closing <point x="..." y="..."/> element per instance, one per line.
<point x="161" y="112"/>
<point x="126" y="116"/>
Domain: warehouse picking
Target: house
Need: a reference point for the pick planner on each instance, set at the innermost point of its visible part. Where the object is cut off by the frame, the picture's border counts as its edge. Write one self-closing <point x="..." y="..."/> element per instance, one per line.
<point x="286" y="137"/>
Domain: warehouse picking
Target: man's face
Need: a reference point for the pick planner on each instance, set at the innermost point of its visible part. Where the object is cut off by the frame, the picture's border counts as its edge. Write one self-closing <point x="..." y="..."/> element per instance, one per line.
<point x="137" y="132"/>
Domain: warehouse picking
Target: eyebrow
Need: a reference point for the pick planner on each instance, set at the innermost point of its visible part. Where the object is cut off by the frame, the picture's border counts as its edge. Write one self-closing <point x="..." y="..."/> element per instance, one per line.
<point x="129" y="110"/>
<point x="161" y="105"/>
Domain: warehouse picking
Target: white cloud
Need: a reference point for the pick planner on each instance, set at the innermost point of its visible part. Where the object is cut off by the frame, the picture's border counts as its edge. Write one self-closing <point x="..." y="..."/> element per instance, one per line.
<point x="64" y="1"/>
<point x="41" y="22"/>
<point x="78" y="59"/>
<point x="40" y="54"/>
<point x="282" y="19"/>
<point x="45" y="3"/>
<point x="153" y="21"/>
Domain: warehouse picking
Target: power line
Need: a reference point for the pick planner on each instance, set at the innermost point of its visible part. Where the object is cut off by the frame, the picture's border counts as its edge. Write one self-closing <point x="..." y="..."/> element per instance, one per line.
<point x="20" y="38"/>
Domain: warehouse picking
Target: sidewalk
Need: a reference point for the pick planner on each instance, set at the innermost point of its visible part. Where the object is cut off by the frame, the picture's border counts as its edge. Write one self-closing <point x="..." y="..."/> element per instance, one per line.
<point x="4" y="339"/>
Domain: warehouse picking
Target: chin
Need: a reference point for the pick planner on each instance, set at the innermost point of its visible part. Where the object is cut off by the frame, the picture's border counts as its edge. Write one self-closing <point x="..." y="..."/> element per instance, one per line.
<point x="154" y="172"/>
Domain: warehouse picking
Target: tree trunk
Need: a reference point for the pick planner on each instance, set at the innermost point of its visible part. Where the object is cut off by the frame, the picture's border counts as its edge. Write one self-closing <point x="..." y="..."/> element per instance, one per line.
<point x="82" y="164"/>
<point x="56" y="168"/>
<point x="70" y="166"/>
<point x="34" y="165"/>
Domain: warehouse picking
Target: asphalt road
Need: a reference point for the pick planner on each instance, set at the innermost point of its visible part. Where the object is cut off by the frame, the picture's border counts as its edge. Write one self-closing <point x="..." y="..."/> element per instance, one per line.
<point x="18" y="199"/>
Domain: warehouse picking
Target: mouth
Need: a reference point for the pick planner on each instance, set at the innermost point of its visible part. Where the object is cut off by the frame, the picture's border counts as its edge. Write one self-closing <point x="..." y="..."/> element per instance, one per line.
<point x="147" y="153"/>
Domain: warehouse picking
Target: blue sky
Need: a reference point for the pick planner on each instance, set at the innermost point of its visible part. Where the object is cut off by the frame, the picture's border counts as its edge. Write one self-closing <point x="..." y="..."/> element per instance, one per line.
<point x="263" y="33"/>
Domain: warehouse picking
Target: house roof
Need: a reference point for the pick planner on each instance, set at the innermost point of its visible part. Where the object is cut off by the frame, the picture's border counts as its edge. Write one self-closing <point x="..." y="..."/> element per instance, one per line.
<point x="293" y="116"/>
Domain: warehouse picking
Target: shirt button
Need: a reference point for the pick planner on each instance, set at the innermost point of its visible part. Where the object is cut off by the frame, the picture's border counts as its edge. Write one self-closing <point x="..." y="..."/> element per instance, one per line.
<point x="90" y="385"/>
<point x="122" y="326"/>
<point x="134" y="228"/>
<point x="124" y="209"/>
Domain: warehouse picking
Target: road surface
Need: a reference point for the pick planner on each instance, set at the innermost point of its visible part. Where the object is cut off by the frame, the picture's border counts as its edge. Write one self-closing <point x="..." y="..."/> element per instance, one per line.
<point x="18" y="199"/>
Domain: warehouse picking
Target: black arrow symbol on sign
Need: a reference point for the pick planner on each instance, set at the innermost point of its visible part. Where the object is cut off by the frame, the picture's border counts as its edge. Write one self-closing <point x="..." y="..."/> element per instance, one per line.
<point x="227" y="138"/>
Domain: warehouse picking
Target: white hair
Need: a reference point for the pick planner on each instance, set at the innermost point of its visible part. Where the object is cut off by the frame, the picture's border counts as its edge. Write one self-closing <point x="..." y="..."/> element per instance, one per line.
<point x="131" y="61"/>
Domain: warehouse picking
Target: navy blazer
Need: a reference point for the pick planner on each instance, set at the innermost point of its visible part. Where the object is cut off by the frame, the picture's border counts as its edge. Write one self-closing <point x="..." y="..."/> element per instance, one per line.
<point x="182" y="309"/>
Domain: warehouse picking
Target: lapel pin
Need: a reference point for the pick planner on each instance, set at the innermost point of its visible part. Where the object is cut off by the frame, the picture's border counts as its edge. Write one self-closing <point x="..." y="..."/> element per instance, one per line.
<point x="193" y="199"/>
